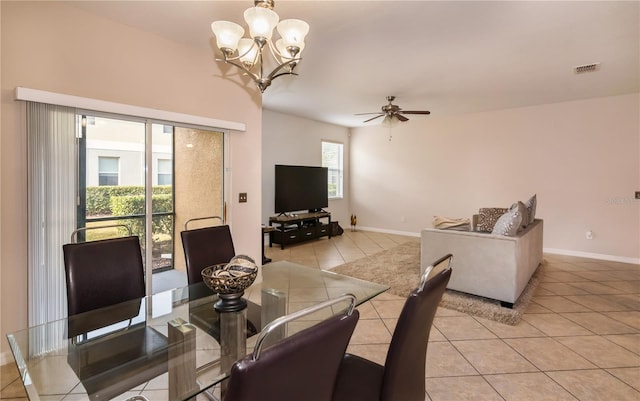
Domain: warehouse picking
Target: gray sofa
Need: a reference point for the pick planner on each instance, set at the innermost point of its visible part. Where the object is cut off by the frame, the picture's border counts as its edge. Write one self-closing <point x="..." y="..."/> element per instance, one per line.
<point x="484" y="264"/>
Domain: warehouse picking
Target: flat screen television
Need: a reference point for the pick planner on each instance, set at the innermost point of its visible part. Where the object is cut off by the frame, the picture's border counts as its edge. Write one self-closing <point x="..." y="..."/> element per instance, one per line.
<point x="301" y="188"/>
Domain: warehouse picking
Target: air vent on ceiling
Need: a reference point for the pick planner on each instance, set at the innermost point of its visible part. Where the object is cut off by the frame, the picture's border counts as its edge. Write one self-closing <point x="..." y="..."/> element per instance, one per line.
<point x="581" y="69"/>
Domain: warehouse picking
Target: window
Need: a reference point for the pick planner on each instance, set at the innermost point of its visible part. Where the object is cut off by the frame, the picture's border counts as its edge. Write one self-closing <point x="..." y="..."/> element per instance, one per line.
<point x="332" y="159"/>
<point x="108" y="168"/>
<point x="164" y="172"/>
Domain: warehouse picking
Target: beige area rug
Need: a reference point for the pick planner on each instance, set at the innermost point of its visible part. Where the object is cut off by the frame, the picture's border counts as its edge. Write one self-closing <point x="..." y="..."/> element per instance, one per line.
<point x="399" y="268"/>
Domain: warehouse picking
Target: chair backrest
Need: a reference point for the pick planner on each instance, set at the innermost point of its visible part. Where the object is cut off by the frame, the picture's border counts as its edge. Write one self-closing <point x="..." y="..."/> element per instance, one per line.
<point x="404" y="369"/>
<point x="303" y="366"/>
<point x="204" y="247"/>
<point x="103" y="273"/>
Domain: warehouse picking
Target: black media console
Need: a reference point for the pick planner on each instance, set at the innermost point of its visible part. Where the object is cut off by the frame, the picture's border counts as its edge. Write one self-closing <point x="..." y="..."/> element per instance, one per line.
<point x="294" y="228"/>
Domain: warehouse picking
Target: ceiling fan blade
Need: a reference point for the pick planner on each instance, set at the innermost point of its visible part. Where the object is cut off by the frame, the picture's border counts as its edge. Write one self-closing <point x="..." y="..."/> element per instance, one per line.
<point x="366" y="121"/>
<point x="401" y="117"/>
<point x="416" y="112"/>
<point x="363" y="114"/>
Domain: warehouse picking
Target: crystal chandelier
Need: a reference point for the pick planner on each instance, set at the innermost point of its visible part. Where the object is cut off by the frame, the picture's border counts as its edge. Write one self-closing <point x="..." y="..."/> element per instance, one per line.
<point x="249" y="54"/>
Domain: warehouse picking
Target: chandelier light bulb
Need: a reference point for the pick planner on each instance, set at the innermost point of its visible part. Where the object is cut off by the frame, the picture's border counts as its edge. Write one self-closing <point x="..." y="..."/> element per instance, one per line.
<point x="285" y="50"/>
<point x="293" y="32"/>
<point x="261" y="22"/>
<point x="247" y="52"/>
<point x="227" y="35"/>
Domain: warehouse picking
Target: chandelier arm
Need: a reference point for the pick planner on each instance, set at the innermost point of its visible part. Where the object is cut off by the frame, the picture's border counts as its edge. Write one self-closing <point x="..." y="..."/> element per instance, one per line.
<point x="242" y="67"/>
<point x="284" y="73"/>
<point x="275" y="73"/>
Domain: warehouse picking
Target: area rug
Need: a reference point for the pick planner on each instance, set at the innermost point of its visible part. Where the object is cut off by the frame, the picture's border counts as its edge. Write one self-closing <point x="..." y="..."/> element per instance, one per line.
<point x="399" y="268"/>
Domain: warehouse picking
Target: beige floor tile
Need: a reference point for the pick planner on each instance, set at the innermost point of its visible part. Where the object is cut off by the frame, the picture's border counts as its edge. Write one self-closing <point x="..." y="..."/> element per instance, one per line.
<point x="391" y="325"/>
<point x="159" y="383"/>
<point x="630" y="376"/>
<point x="465" y="388"/>
<point x="461" y="328"/>
<point x="8" y="373"/>
<point x="371" y="332"/>
<point x="561" y="277"/>
<point x="367" y="311"/>
<point x="528" y="386"/>
<point x="560" y="304"/>
<point x="493" y="356"/>
<point x="14" y="389"/>
<point x="444" y="312"/>
<point x="435" y="335"/>
<point x="629" y="287"/>
<point x="592" y="287"/>
<point x="561" y="289"/>
<point x="598" y="303"/>
<point x="601" y="351"/>
<point x="631" y="318"/>
<point x="547" y="354"/>
<point x="522" y="329"/>
<point x="563" y="266"/>
<point x="599" y="323"/>
<point x="444" y="360"/>
<point x="627" y="274"/>
<point x="373" y="352"/>
<point x="628" y="341"/>
<point x="630" y="301"/>
<point x="388" y="309"/>
<point x="555" y="325"/>
<point x="595" y="385"/>
<point x="536" y="308"/>
<point x="600" y="276"/>
<point x="541" y="291"/>
<point x="156" y="395"/>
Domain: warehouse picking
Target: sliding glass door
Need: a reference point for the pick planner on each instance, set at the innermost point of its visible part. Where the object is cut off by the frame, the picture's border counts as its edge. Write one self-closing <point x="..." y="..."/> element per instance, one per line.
<point x="138" y="176"/>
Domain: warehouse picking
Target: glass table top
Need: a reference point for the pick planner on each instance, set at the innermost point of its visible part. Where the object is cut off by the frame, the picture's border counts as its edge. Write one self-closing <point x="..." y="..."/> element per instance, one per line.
<point x="171" y="345"/>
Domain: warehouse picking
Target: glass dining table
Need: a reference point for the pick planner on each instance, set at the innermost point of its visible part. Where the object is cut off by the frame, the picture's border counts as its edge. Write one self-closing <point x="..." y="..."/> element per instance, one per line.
<point x="171" y="345"/>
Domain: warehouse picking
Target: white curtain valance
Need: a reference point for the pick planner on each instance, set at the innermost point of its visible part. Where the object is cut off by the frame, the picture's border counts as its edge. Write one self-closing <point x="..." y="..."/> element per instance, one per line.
<point x="40" y="96"/>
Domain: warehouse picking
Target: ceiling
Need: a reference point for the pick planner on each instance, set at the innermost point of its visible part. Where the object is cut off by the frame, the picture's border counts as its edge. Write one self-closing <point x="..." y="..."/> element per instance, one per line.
<point x="449" y="57"/>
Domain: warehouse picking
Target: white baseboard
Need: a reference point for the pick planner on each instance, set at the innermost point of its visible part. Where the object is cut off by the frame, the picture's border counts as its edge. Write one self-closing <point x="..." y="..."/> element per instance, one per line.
<point x="589" y="255"/>
<point x="382" y="230"/>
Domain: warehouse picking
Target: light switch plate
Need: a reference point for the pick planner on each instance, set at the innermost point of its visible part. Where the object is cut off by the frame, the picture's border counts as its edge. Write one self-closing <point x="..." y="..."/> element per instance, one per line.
<point x="242" y="197"/>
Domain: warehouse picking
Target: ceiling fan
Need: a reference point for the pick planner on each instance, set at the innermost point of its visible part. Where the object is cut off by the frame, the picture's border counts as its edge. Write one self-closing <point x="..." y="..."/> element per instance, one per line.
<point x="390" y="111"/>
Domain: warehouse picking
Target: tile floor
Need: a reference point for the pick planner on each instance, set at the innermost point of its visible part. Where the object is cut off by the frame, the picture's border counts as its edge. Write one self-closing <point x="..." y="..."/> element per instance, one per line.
<point x="579" y="340"/>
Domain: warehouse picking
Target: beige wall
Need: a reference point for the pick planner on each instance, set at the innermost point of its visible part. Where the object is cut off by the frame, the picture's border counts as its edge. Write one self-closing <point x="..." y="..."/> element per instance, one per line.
<point x="298" y="141"/>
<point x="58" y="48"/>
<point x="581" y="158"/>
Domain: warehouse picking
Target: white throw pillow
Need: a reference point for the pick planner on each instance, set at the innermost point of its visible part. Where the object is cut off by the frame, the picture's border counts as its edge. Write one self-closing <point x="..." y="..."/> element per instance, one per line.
<point x="531" y="207"/>
<point x="524" y="212"/>
<point x="508" y="224"/>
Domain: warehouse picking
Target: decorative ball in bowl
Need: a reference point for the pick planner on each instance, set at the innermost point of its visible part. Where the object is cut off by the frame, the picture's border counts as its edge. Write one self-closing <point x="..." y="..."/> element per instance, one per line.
<point x="231" y="278"/>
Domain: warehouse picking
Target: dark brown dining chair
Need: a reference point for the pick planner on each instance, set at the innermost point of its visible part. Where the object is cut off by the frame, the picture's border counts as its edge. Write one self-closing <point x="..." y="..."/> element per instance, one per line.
<point x="103" y="273"/>
<point x="105" y="286"/>
<point x="302" y="366"/>
<point x="204" y="247"/>
<point x="402" y="378"/>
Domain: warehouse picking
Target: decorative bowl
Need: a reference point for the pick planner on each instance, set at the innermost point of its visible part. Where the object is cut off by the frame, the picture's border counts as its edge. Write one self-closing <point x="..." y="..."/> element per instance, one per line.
<point x="231" y="278"/>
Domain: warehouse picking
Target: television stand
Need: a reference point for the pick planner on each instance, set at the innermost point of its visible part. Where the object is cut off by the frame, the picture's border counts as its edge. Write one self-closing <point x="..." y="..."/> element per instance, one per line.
<point x="294" y="228"/>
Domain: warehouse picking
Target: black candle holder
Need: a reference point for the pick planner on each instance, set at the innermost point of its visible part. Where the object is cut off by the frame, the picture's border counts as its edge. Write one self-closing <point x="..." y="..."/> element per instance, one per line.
<point x="230" y="302"/>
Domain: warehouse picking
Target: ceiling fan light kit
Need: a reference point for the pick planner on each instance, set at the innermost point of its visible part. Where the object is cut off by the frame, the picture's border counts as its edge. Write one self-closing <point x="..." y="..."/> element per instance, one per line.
<point x="248" y="54"/>
<point x="393" y="113"/>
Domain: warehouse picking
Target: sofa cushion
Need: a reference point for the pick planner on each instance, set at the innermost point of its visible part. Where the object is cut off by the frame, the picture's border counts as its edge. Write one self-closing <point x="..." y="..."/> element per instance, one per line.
<point x="509" y="223"/>
<point x="488" y="216"/>
<point x="531" y="207"/>
<point x="522" y="209"/>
